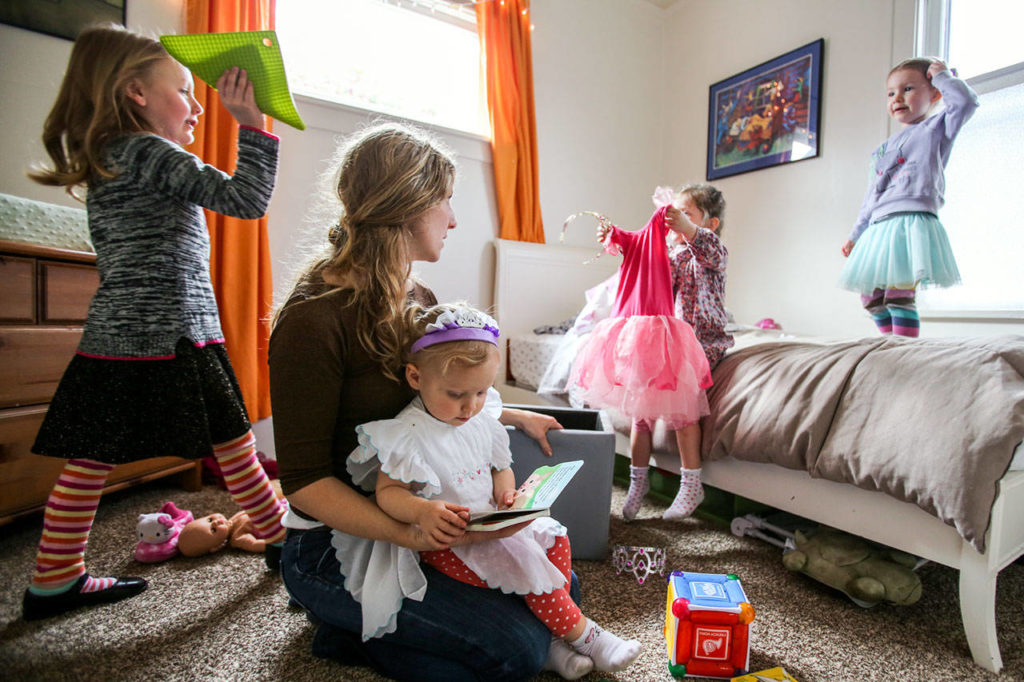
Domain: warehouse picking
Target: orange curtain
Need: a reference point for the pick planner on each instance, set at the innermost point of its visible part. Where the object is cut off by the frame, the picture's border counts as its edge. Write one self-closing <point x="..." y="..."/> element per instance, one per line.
<point x="239" y="249"/>
<point x="504" y="28"/>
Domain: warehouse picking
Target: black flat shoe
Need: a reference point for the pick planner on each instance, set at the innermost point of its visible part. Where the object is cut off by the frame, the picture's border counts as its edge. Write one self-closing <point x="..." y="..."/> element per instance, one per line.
<point x="272" y="556"/>
<point x="34" y="606"/>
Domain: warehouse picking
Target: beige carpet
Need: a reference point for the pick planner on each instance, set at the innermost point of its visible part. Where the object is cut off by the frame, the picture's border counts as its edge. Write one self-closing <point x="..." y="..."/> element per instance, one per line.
<point x="223" y="617"/>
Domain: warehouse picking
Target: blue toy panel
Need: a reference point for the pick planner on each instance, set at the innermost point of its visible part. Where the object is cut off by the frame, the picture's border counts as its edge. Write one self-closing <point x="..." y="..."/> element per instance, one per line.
<point x="709" y="590"/>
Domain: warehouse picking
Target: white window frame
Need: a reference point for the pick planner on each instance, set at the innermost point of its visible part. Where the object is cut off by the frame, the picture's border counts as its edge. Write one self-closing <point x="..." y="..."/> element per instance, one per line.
<point x="459" y="13"/>
<point x="927" y="21"/>
<point x="931" y="37"/>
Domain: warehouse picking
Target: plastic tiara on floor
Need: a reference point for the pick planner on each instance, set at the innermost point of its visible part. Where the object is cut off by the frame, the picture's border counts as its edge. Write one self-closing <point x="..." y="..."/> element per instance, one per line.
<point x="642" y="562"/>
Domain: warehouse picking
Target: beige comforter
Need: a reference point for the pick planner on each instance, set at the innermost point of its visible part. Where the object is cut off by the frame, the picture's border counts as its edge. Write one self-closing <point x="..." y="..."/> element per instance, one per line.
<point x="931" y="422"/>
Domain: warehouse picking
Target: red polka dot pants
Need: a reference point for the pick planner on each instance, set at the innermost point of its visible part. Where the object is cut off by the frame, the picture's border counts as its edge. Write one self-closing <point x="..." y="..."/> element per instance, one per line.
<point x="555" y="609"/>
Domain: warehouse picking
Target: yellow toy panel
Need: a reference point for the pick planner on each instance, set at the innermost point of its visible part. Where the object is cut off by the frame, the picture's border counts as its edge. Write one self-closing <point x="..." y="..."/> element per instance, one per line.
<point x="770" y="675"/>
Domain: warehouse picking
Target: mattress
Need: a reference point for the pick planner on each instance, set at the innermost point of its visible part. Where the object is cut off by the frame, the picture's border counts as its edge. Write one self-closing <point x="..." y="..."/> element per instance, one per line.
<point x="36" y="222"/>
<point x="529" y="356"/>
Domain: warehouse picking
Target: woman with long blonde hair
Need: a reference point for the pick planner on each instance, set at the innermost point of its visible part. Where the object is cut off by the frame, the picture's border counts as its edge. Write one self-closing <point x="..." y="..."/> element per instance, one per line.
<point x="336" y="358"/>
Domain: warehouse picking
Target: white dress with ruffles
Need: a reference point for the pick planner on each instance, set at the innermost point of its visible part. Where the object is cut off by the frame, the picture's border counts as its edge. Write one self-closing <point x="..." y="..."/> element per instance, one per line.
<point x="451" y="463"/>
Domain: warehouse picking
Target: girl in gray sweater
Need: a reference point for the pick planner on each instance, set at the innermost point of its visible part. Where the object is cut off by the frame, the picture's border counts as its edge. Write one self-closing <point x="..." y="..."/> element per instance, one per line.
<point x="150" y="377"/>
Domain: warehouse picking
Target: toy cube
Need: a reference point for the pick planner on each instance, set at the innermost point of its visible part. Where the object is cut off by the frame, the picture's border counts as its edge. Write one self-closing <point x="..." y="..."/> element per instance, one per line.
<point x="707" y="622"/>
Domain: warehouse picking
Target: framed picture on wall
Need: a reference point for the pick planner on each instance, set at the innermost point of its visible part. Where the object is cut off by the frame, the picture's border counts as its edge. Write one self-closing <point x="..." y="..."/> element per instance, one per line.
<point x="767" y="115"/>
<point x="61" y="18"/>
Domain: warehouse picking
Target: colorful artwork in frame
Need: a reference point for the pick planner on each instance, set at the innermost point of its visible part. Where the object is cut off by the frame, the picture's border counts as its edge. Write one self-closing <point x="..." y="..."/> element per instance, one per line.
<point x="61" y="18"/>
<point x="767" y="115"/>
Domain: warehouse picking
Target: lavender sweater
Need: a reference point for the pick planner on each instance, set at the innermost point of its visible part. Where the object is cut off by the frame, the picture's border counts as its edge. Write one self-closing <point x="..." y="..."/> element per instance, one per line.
<point x="908" y="168"/>
<point x="152" y="246"/>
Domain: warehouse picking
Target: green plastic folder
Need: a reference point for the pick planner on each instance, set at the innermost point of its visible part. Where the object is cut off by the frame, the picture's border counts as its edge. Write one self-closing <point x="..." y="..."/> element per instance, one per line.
<point x="208" y="55"/>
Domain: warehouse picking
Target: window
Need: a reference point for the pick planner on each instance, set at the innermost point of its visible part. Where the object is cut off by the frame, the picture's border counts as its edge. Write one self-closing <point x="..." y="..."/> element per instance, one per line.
<point x="415" y="59"/>
<point x="984" y="211"/>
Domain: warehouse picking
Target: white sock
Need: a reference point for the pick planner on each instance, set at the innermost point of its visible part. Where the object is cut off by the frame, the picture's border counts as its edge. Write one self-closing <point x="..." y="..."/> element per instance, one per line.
<point x="639" y="485"/>
<point x="609" y="653"/>
<point x="689" y="497"/>
<point x="564" y="660"/>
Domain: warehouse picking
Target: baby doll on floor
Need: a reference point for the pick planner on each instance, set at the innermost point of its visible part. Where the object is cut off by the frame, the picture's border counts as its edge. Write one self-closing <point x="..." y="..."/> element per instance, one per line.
<point x="213" y="532"/>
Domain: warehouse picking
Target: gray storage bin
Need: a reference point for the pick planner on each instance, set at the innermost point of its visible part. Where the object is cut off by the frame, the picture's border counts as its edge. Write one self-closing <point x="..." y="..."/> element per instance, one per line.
<point x="584" y="507"/>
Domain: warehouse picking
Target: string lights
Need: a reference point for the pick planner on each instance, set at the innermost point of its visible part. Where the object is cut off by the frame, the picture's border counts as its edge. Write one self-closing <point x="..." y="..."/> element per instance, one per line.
<point x="458" y="9"/>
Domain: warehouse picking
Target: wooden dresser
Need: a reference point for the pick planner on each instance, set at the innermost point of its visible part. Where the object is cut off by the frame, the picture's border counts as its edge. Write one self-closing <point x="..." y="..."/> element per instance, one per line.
<point x="44" y="295"/>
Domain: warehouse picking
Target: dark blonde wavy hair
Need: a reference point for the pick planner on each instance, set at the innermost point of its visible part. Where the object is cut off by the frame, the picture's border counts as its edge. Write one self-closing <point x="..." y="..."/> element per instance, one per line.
<point x="92" y="105"/>
<point x="387" y="175"/>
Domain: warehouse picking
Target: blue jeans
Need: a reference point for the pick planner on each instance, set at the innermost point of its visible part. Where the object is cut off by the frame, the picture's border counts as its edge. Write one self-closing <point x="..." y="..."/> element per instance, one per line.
<point x="458" y="632"/>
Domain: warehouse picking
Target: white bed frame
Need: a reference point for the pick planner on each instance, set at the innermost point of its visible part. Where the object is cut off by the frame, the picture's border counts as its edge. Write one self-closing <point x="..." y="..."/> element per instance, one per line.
<point x="539" y="284"/>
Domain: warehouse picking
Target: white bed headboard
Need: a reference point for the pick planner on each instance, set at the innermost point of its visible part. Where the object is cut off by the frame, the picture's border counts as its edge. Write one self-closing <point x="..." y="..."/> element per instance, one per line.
<point x="537" y="284"/>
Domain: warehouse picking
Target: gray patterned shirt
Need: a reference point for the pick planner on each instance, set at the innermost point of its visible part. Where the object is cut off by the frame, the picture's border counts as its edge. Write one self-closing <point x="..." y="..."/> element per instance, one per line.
<point x="152" y="245"/>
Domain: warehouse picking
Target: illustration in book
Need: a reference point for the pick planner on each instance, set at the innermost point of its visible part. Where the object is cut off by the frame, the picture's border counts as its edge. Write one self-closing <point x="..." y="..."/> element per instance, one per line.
<point x="533" y="499"/>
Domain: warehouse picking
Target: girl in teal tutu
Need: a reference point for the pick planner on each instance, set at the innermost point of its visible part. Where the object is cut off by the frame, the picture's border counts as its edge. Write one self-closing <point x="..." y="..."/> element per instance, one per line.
<point x="898" y="243"/>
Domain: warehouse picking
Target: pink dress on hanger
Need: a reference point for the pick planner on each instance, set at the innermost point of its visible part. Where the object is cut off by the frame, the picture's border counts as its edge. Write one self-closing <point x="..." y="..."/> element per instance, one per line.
<point x="643" y="361"/>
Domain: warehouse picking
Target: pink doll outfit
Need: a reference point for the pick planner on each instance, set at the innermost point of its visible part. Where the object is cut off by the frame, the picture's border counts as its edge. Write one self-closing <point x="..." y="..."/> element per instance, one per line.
<point x="451" y="463"/>
<point x="643" y="361"/>
<point x="163" y="545"/>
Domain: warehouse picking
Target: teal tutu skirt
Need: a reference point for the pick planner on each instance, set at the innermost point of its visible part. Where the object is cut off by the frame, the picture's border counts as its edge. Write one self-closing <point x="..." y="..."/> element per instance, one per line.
<point x="907" y="248"/>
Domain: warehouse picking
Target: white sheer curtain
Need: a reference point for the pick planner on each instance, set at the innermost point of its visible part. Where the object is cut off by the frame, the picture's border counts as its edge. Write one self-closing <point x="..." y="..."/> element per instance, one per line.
<point x="984" y="211"/>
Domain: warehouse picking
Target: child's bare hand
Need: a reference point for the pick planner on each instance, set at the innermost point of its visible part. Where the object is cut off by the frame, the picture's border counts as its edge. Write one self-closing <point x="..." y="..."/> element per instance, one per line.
<point x="937" y="66"/>
<point x="237" y="94"/>
<point x="506" y="499"/>
<point x="443" y="522"/>
<point x="673" y="217"/>
<point x="680" y="227"/>
<point x="847" y="248"/>
<point x="677" y="222"/>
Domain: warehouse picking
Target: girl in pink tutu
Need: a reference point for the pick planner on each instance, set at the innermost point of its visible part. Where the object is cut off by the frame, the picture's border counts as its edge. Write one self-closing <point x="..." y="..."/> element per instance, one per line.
<point x="645" y="362"/>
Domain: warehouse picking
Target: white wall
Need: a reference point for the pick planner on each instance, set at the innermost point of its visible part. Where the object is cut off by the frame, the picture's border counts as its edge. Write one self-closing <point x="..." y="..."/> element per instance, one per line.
<point x="600" y="87"/>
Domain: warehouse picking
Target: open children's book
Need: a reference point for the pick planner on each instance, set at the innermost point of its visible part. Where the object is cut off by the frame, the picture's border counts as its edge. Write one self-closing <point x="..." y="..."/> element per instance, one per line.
<point x="533" y="499"/>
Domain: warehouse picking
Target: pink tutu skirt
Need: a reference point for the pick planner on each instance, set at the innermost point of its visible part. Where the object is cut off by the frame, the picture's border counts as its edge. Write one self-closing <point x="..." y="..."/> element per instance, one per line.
<point x="647" y="367"/>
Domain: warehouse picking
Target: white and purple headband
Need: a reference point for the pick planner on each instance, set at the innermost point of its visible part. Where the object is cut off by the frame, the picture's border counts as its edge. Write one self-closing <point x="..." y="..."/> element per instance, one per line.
<point x="458" y="324"/>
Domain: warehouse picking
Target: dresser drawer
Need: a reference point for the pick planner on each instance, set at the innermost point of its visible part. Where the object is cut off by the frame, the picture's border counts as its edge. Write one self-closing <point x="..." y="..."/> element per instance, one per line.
<point x="65" y="291"/>
<point x="25" y="479"/>
<point x="17" y="290"/>
<point x="32" y="361"/>
<point x="18" y="430"/>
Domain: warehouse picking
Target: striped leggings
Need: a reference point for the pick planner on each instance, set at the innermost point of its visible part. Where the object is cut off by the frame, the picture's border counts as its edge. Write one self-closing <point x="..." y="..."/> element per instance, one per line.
<point x="894" y="310"/>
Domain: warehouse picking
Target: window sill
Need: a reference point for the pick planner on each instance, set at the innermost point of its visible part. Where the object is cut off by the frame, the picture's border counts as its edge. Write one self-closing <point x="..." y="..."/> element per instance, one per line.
<point x="322" y="113"/>
<point x="973" y="315"/>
